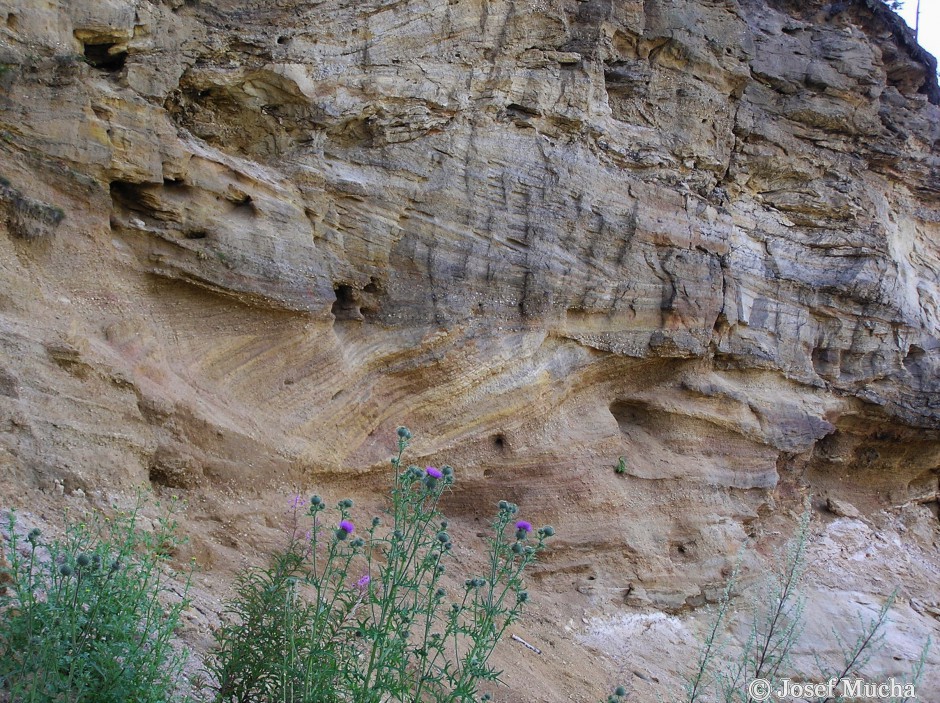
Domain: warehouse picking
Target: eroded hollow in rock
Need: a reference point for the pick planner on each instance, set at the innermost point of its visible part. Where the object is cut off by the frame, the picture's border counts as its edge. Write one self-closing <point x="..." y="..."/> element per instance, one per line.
<point x="346" y="306"/>
<point x="104" y="56"/>
<point x="916" y="360"/>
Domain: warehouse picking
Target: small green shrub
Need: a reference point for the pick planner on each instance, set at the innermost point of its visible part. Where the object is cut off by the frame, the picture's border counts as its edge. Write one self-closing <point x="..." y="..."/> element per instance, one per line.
<point x="621" y="467"/>
<point x="341" y="617"/>
<point x="84" y="619"/>
<point x="618" y="696"/>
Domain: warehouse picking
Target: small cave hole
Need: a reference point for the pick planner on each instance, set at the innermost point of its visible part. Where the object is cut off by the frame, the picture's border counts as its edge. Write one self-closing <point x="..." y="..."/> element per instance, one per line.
<point x="500" y="443"/>
<point x="130" y="196"/>
<point x="102" y="57"/>
<point x="346" y="306"/>
<point x="13" y="21"/>
<point x="176" y="185"/>
<point x="683" y="551"/>
<point x="916" y="360"/>
<point x="283" y="40"/>
<point x="164" y="476"/>
<point x="827" y="362"/>
<point x="196" y="234"/>
<point x="372" y="296"/>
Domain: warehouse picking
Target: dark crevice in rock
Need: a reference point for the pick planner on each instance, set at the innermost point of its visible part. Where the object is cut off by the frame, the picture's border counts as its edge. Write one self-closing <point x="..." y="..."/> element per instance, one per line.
<point x="347" y="305"/>
<point x="105" y="56"/>
<point x="827" y="362"/>
<point x="916" y="360"/>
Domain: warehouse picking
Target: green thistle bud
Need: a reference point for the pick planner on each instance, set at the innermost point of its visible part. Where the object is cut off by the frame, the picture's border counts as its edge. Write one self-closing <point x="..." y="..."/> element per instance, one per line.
<point x="517" y="548"/>
<point x="115" y="566"/>
<point x="403" y="432"/>
<point x="440" y="593"/>
<point x="346" y="503"/>
<point x="444" y="524"/>
<point x="376" y="522"/>
<point x="503" y="506"/>
<point x="443" y="537"/>
<point x="65" y="570"/>
<point x="83" y="560"/>
<point x="448" y="546"/>
<point x="316" y="501"/>
<point x="547" y="531"/>
<point x="522" y="596"/>
<point x="340" y="533"/>
<point x="620" y="691"/>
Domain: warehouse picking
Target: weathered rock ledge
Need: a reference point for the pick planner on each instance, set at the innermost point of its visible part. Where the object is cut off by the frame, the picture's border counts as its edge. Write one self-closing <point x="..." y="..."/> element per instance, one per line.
<point x="245" y="240"/>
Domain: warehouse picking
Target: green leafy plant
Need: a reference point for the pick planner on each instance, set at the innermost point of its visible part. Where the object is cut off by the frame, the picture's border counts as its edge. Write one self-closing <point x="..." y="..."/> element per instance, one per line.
<point x="338" y="617"/>
<point x="89" y="618"/>
<point x="618" y="696"/>
<point x="621" y="467"/>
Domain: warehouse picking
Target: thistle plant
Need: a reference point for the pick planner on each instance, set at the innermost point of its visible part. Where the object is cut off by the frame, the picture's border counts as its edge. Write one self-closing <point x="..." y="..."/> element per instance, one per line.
<point x="89" y="618"/>
<point x="343" y="617"/>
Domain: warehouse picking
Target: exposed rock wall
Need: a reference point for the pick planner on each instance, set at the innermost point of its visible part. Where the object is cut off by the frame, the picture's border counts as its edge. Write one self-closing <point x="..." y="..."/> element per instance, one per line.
<point x="245" y="240"/>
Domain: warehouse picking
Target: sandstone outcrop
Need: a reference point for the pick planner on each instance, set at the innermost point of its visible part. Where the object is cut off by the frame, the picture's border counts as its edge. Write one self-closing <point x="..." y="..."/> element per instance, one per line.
<point x="244" y="240"/>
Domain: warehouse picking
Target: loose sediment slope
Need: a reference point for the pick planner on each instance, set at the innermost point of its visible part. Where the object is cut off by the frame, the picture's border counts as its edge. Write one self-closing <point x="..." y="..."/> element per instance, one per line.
<point x="245" y="240"/>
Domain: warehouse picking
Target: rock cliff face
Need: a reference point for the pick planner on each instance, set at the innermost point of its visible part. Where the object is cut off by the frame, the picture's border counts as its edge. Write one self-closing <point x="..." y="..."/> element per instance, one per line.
<point x="244" y="240"/>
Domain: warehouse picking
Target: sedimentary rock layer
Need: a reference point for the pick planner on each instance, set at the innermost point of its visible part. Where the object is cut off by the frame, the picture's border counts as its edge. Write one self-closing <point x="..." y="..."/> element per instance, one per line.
<point x="243" y="241"/>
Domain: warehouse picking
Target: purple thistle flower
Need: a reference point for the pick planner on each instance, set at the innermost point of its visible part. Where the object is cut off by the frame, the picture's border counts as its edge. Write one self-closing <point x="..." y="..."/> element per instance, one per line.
<point x="524" y="526"/>
<point x="433" y="472"/>
<point x="298" y="501"/>
<point x="347" y="527"/>
<point x="363" y="582"/>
